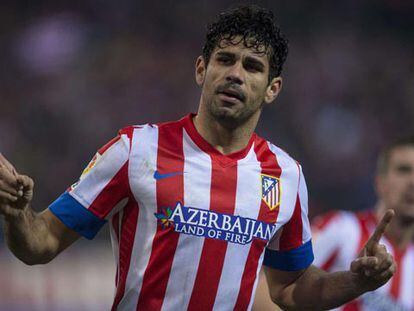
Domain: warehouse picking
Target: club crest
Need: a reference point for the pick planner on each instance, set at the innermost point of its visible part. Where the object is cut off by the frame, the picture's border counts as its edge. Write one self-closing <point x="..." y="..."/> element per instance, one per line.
<point x="270" y="191"/>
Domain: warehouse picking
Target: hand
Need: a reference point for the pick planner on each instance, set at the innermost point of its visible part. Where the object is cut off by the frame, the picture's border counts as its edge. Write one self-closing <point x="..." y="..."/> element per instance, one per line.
<point x="16" y="191"/>
<point x="374" y="265"/>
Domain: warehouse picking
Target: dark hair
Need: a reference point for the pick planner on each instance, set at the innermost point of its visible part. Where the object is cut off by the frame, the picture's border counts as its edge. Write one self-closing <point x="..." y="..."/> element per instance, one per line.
<point x="257" y="29"/>
<point x="385" y="154"/>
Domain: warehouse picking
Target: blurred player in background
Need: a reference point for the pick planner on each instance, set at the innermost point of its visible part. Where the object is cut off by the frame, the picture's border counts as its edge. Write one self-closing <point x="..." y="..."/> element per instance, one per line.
<point x="196" y="206"/>
<point x="340" y="235"/>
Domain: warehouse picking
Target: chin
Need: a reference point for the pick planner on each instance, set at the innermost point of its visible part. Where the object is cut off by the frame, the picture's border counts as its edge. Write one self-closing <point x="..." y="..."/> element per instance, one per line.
<point x="225" y="113"/>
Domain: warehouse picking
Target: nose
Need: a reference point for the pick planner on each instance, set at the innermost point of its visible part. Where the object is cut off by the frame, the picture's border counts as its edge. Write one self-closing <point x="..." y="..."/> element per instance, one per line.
<point x="235" y="74"/>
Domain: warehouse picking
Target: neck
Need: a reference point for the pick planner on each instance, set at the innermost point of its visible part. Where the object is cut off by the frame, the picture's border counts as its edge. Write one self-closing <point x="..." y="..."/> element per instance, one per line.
<point x="226" y="139"/>
<point x="400" y="231"/>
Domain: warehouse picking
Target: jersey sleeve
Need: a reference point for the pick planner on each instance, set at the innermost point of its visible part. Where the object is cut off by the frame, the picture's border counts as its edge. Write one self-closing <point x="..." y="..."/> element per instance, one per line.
<point x="291" y="247"/>
<point x="102" y="189"/>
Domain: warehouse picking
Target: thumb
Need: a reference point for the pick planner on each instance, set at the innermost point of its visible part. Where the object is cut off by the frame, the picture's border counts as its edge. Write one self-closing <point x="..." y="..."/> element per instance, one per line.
<point x="26" y="186"/>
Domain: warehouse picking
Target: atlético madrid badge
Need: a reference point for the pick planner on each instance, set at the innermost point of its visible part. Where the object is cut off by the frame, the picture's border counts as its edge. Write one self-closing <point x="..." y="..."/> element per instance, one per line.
<point x="270" y="191"/>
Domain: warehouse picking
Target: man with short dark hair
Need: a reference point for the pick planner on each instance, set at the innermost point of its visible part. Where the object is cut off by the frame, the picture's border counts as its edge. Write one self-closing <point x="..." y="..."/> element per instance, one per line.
<point x="196" y="206"/>
<point x="339" y="235"/>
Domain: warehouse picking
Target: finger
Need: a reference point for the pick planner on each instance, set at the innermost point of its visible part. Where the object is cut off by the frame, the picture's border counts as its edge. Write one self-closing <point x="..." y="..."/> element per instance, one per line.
<point x="385" y="259"/>
<point x="361" y="264"/>
<point x="27" y="185"/>
<point x="7" y="196"/>
<point x="7" y="164"/>
<point x="25" y="181"/>
<point x="386" y="263"/>
<point x="4" y="186"/>
<point x="387" y="274"/>
<point x="7" y="177"/>
<point x="380" y="229"/>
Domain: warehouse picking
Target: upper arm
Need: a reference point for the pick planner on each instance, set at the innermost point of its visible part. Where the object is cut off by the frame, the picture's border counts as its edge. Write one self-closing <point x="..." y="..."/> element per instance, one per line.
<point x="289" y="254"/>
<point x="102" y="190"/>
<point x="290" y="249"/>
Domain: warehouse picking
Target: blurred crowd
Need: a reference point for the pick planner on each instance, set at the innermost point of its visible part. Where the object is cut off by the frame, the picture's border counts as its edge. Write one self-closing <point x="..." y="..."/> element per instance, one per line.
<point x="73" y="74"/>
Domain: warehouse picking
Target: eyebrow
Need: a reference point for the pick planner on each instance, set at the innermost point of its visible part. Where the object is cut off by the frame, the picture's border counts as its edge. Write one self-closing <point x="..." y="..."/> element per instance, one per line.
<point x="225" y="54"/>
<point x="249" y="59"/>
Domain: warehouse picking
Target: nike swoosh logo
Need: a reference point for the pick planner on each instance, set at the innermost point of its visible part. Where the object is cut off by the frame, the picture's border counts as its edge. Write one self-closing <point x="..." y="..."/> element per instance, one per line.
<point x="158" y="175"/>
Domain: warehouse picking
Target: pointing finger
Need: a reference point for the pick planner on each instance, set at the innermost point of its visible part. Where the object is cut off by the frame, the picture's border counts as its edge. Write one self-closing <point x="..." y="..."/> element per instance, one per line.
<point x="380" y="229"/>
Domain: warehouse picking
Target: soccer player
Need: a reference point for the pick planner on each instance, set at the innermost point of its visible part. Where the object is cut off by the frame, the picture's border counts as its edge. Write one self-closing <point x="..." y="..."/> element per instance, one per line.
<point x="339" y="236"/>
<point x="195" y="206"/>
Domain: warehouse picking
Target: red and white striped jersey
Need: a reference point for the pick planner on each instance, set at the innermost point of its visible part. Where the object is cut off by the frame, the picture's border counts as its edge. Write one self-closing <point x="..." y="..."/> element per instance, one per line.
<point x="191" y="227"/>
<point x="338" y="238"/>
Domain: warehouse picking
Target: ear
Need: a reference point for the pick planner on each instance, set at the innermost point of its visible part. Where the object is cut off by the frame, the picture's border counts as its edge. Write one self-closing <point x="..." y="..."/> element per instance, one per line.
<point x="273" y="90"/>
<point x="200" y="70"/>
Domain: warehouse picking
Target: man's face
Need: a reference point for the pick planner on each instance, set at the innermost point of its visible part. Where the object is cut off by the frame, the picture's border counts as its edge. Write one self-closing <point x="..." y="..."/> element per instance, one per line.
<point x="235" y="83"/>
<point x="396" y="185"/>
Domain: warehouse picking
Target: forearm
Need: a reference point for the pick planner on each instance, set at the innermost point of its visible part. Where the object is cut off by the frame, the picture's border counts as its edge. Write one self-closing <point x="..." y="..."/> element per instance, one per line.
<point x="319" y="290"/>
<point x="28" y="237"/>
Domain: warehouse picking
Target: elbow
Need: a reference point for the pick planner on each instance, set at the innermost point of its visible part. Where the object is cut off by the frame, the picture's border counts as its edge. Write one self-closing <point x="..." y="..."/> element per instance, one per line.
<point x="35" y="261"/>
<point x="283" y="298"/>
<point x="32" y="259"/>
<point x="279" y="299"/>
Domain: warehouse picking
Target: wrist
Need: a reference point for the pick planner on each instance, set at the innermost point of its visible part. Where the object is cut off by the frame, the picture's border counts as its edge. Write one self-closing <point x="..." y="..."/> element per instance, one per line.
<point x="362" y="284"/>
<point x="17" y="215"/>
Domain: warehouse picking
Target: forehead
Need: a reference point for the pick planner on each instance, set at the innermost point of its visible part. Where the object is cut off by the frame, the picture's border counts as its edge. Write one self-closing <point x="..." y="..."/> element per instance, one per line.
<point x="239" y="46"/>
<point x="403" y="154"/>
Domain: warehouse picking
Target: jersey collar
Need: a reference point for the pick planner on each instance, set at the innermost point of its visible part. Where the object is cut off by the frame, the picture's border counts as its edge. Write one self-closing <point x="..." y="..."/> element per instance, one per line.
<point x="216" y="155"/>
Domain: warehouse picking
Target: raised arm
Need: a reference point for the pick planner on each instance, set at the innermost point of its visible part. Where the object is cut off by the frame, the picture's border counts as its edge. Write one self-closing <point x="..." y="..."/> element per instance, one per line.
<point x="315" y="289"/>
<point x="34" y="238"/>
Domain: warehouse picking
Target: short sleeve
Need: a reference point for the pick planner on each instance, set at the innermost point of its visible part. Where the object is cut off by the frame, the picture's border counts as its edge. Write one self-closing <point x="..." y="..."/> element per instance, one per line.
<point x="102" y="189"/>
<point x="291" y="247"/>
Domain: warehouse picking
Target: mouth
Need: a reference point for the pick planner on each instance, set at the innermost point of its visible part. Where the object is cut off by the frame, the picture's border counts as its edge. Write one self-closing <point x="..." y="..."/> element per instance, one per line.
<point x="231" y="95"/>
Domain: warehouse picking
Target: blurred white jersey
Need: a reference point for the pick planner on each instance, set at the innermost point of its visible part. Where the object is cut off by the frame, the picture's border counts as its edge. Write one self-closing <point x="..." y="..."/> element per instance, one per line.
<point x="338" y="238"/>
<point x="190" y="226"/>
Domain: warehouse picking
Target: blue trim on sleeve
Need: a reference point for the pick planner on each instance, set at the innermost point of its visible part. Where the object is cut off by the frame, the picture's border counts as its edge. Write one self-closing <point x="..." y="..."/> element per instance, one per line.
<point x="292" y="260"/>
<point x="75" y="216"/>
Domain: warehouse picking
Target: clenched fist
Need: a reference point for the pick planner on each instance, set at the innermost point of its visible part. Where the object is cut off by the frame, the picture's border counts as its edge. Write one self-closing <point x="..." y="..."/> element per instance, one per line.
<point x="16" y="191"/>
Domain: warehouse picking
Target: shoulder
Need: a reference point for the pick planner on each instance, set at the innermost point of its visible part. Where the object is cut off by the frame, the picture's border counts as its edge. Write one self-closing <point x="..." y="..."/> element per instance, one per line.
<point x="270" y="153"/>
<point x="130" y="133"/>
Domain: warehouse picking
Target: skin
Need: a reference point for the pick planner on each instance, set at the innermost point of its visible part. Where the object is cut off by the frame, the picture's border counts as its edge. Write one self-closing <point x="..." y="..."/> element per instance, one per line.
<point x="227" y="124"/>
<point x="395" y="189"/>
<point x="224" y="122"/>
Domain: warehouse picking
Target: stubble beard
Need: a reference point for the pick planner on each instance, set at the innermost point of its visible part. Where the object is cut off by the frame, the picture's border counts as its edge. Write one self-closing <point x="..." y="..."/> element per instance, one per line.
<point x="231" y="117"/>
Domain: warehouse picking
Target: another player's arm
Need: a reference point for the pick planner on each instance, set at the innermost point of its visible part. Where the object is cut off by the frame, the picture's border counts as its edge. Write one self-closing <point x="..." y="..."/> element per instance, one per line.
<point x="34" y="238"/>
<point x="315" y="289"/>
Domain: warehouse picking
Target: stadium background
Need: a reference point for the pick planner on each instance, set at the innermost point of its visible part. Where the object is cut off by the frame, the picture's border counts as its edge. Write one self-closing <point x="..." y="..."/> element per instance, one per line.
<point x="73" y="74"/>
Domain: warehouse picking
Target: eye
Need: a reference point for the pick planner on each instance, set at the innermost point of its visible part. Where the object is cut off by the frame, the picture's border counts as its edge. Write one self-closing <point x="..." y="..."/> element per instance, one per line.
<point x="224" y="59"/>
<point x="253" y="67"/>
